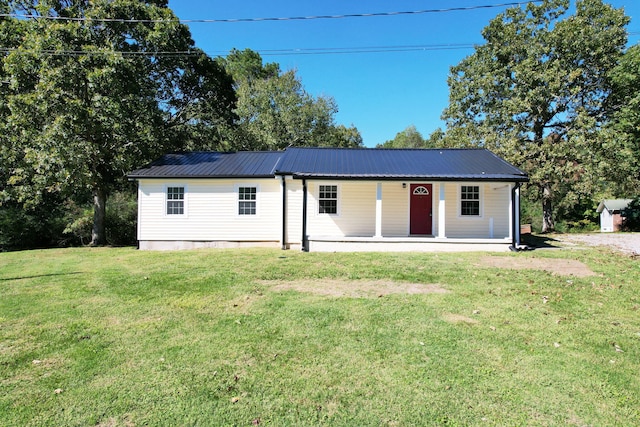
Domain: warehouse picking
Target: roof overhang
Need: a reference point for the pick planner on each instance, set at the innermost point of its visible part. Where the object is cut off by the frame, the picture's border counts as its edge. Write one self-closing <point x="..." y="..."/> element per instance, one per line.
<point x="442" y="178"/>
<point x="613" y="205"/>
<point x="168" y="177"/>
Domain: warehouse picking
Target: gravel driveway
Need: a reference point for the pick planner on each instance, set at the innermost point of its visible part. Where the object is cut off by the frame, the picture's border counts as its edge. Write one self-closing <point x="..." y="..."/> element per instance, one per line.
<point x="625" y="242"/>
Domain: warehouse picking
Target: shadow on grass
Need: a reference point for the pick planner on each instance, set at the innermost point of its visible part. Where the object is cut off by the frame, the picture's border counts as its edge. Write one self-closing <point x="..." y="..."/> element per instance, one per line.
<point x="540" y="241"/>
<point x="37" y="276"/>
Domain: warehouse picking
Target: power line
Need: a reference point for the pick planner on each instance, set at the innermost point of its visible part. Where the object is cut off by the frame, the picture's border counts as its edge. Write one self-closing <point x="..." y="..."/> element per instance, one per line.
<point x="378" y="49"/>
<point x="265" y="52"/>
<point x="291" y="18"/>
<point x="262" y="52"/>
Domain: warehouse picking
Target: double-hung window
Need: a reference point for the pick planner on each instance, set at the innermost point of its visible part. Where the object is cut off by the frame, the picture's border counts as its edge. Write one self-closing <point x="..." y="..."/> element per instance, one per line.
<point x="247" y="200"/>
<point x="175" y="200"/>
<point x="328" y="199"/>
<point x="470" y="200"/>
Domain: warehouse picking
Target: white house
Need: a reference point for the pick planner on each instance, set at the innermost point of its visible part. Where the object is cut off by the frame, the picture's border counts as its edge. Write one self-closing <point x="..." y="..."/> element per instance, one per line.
<point x="609" y="210"/>
<point x="331" y="199"/>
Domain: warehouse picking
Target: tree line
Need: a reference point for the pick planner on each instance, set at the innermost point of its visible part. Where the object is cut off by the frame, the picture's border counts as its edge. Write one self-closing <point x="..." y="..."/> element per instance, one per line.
<point x="89" y="90"/>
<point x="93" y="89"/>
<point x="556" y="94"/>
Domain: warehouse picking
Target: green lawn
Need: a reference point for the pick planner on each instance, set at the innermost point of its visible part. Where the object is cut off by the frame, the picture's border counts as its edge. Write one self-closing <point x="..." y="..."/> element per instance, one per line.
<point x="245" y="337"/>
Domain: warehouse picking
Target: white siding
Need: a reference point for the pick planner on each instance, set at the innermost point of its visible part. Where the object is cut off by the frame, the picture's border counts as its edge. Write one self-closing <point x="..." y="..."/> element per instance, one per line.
<point x="395" y="209"/>
<point x="494" y="208"/>
<point x="356" y="209"/>
<point x="606" y="221"/>
<point x="357" y="201"/>
<point x="211" y="211"/>
<point x="294" y="211"/>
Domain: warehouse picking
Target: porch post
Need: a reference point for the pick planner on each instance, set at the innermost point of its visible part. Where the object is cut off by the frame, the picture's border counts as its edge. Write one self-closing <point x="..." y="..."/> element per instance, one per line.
<point x="378" y="210"/>
<point x="441" y="213"/>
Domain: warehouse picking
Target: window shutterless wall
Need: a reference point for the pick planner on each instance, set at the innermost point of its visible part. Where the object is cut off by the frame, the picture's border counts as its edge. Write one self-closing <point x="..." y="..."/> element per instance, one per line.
<point x="355" y="215"/>
<point x="211" y="211"/>
<point x="494" y="214"/>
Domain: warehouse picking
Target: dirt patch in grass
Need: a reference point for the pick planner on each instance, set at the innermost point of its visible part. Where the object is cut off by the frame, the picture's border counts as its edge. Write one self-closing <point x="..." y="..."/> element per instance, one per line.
<point x="562" y="267"/>
<point x="354" y="288"/>
<point x="458" y="318"/>
<point x="112" y="422"/>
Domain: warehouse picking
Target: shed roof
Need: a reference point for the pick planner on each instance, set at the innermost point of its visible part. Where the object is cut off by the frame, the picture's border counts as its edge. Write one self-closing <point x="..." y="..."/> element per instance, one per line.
<point x="613" y="205"/>
<point x="338" y="163"/>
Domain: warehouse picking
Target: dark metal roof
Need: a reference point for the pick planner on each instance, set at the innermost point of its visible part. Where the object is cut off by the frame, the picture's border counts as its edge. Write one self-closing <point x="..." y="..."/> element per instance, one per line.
<point x="211" y="164"/>
<point x="437" y="164"/>
<point x="338" y="163"/>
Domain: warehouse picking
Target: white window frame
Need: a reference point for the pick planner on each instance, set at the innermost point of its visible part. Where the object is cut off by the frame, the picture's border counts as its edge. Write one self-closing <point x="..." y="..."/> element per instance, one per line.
<point x="184" y="213"/>
<point x="324" y="184"/>
<point x="480" y="201"/>
<point x="237" y="199"/>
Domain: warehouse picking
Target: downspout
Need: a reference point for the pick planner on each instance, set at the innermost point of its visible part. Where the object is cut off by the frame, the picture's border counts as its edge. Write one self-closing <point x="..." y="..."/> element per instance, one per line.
<point x="138" y="222"/>
<point x="284" y="213"/>
<point x="305" y="243"/>
<point x="515" y="214"/>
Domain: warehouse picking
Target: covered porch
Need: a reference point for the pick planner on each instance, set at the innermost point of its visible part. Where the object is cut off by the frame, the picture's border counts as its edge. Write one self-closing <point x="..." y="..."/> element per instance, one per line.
<point x="379" y="216"/>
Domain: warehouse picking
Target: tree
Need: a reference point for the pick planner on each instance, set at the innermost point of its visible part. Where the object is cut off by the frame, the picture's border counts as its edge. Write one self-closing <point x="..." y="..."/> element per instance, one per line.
<point x="412" y="138"/>
<point x="436" y="139"/>
<point x="341" y="136"/>
<point x="408" y="138"/>
<point x="274" y="111"/>
<point x="622" y="164"/>
<point x="631" y="215"/>
<point x="534" y="93"/>
<point x="109" y="85"/>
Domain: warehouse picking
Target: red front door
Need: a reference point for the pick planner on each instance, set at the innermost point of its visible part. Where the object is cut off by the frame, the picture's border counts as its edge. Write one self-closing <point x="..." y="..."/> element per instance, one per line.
<point x="420" y="210"/>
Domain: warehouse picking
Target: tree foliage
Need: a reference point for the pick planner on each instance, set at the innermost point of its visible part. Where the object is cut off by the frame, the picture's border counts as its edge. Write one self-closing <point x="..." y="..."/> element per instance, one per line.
<point x="408" y="138"/>
<point x="89" y="99"/>
<point x="623" y="130"/>
<point x="535" y="94"/>
<point x="631" y="216"/>
<point x="112" y="84"/>
<point x="412" y="138"/>
<point x="274" y="110"/>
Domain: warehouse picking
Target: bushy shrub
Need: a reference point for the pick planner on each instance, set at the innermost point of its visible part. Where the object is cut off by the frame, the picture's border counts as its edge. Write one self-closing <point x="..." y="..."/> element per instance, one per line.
<point x="579" y="226"/>
<point x="58" y="222"/>
<point x="122" y="218"/>
<point x="631" y="216"/>
<point x="37" y="227"/>
<point x="78" y="223"/>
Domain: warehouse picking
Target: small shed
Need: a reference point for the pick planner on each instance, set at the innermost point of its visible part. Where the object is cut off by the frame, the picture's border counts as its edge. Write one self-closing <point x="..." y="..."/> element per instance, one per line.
<point x="609" y="210"/>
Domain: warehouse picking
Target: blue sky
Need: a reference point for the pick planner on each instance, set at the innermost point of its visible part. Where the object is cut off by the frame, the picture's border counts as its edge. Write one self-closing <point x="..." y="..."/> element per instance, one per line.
<point x="381" y="93"/>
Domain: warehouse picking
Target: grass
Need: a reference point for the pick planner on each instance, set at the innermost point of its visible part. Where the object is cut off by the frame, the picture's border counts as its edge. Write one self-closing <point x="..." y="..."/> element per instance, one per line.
<point x="121" y="337"/>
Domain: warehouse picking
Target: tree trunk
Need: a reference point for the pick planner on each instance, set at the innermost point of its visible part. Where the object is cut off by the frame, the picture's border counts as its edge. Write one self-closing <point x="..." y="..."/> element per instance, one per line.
<point x="547" y="209"/>
<point x="98" y="233"/>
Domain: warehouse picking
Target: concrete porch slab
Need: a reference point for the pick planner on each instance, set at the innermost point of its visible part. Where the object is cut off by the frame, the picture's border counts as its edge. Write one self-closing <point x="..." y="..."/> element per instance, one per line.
<point x="405" y="244"/>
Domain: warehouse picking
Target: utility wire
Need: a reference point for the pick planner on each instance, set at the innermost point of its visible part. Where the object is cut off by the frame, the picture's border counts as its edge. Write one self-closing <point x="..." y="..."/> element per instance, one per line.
<point x="263" y="52"/>
<point x="380" y="49"/>
<point x="291" y="18"/>
<point x="266" y="52"/>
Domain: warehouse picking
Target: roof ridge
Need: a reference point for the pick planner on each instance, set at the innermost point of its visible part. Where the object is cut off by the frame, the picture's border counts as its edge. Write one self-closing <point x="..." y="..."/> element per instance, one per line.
<point x="390" y="148"/>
